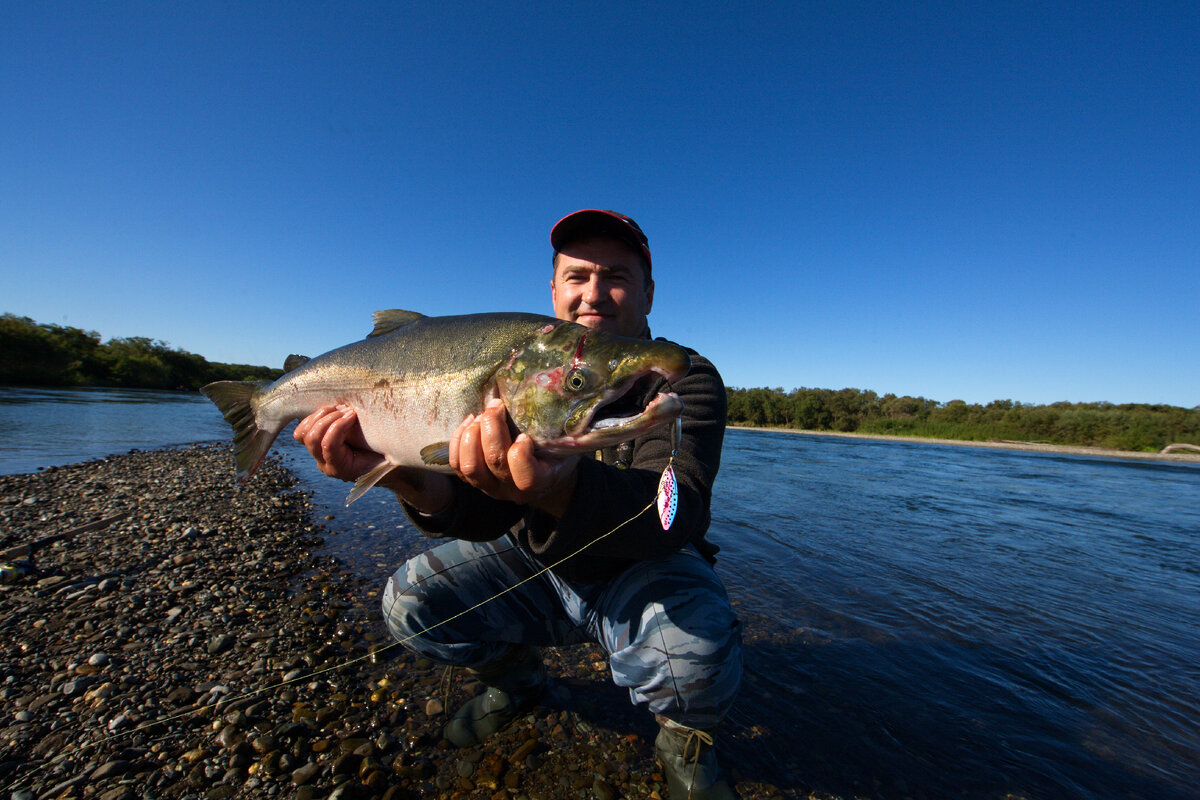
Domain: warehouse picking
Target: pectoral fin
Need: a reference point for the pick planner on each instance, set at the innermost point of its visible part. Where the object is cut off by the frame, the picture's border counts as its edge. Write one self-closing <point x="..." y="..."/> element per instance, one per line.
<point x="369" y="479"/>
<point x="436" y="454"/>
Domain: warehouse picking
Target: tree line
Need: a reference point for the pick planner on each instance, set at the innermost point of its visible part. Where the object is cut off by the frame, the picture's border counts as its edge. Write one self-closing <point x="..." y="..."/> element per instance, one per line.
<point x="38" y="354"/>
<point x="33" y="354"/>
<point x="1131" y="426"/>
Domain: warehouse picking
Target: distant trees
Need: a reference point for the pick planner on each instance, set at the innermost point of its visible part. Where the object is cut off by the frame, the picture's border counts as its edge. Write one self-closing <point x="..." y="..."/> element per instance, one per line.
<point x="1121" y="427"/>
<point x="33" y="354"/>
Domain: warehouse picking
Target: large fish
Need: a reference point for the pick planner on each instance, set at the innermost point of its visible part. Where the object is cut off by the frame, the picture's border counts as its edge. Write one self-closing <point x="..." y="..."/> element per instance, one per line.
<point x="414" y="378"/>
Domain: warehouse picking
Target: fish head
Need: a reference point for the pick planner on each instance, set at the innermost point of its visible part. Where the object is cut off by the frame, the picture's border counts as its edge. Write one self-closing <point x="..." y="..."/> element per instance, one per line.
<point x="559" y="385"/>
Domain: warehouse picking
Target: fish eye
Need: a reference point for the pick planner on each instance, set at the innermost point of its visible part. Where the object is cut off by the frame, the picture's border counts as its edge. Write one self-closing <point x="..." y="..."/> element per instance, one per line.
<point x="576" y="380"/>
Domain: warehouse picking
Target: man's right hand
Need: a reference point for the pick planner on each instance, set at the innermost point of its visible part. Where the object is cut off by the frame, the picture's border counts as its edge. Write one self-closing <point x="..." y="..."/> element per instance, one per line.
<point x="334" y="438"/>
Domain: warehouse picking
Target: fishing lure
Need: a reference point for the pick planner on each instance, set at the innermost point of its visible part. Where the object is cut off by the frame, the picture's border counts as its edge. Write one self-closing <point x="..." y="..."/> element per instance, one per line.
<point x="668" y="489"/>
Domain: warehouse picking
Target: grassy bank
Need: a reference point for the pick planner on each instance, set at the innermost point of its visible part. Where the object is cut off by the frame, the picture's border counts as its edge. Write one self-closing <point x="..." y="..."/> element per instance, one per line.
<point x="1137" y="427"/>
<point x="1000" y="444"/>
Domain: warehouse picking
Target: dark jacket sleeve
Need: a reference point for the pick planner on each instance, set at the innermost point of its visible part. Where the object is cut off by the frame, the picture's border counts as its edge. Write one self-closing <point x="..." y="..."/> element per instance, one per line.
<point x="613" y="510"/>
<point x="471" y="515"/>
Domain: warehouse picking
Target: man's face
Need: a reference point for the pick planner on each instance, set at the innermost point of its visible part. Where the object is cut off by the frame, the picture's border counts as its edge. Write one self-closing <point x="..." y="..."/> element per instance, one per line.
<point x="601" y="284"/>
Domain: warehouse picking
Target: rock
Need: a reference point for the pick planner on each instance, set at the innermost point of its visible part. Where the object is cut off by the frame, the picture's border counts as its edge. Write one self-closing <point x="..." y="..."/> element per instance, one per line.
<point x="220" y="644"/>
<point x="77" y="686"/>
<point x="306" y="773"/>
<point x="110" y="769"/>
<point x="347" y="764"/>
<point x="603" y="790"/>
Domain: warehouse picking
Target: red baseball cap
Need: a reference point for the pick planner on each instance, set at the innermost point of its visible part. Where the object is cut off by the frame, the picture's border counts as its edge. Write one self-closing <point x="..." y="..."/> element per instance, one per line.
<point x="592" y="222"/>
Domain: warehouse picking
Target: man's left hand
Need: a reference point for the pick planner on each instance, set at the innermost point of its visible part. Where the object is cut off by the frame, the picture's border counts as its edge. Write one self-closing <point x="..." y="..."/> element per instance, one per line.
<point x="484" y="454"/>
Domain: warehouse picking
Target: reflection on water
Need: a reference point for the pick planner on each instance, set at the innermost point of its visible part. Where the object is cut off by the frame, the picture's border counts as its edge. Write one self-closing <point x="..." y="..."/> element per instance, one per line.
<point x="922" y="621"/>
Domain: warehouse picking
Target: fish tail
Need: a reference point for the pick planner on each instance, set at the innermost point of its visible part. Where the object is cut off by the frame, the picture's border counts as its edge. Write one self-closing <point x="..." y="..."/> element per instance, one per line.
<point x="238" y="402"/>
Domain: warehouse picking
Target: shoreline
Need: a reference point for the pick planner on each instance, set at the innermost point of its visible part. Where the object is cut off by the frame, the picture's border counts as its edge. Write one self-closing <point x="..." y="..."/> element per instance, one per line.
<point x="1038" y="447"/>
<point x="165" y="631"/>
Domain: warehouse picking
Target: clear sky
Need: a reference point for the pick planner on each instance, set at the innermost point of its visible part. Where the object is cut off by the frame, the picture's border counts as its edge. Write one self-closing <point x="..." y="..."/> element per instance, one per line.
<point x="957" y="200"/>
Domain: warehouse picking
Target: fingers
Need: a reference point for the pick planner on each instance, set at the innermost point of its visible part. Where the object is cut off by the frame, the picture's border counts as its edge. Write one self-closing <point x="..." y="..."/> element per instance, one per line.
<point x="479" y="450"/>
<point x="330" y="434"/>
<point x="528" y="473"/>
<point x="305" y="425"/>
<point x="311" y="430"/>
<point x="484" y="454"/>
<point x="336" y="451"/>
<point x="495" y="440"/>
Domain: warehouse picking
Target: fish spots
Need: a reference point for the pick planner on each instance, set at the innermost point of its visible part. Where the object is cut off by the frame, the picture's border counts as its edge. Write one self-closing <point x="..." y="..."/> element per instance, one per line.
<point x="550" y="379"/>
<point x="382" y="383"/>
<point x="578" y="359"/>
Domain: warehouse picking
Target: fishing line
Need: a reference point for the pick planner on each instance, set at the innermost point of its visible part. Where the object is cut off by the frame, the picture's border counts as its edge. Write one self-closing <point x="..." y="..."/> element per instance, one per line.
<point x="373" y="654"/>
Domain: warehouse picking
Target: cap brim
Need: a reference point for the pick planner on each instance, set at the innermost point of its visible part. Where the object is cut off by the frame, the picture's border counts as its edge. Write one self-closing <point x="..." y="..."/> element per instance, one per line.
<point x="592" y="223"/>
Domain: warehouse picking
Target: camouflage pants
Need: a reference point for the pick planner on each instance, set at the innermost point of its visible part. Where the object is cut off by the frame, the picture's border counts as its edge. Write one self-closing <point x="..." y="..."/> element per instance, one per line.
<point x="671" y="635"/>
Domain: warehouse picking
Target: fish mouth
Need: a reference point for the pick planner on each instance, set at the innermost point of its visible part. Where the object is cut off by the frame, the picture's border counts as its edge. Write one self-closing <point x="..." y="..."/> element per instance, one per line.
<point x="665" y="406"/>
<point x="594" y="431"/>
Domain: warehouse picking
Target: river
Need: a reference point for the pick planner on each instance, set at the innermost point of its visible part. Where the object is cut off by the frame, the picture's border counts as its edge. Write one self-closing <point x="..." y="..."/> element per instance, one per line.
<point x="922" y="620"/>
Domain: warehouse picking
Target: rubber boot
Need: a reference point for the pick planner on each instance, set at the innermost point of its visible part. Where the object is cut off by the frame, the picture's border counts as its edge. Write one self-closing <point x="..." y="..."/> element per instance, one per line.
<point x="689" y="762"/>
<point x="515" y="684"/>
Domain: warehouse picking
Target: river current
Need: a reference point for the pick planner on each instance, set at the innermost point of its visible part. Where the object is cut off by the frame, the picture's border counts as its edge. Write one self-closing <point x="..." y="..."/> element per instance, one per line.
<point x="922" y="620"/>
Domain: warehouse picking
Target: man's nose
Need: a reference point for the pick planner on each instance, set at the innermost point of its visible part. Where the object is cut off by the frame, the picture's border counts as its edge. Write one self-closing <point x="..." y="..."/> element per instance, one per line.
<point x="595" y="292"/>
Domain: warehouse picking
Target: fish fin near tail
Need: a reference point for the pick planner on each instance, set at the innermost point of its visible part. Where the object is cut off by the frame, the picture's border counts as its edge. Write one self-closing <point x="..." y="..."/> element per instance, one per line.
<point x="236" y="400"/>
<point x="436" y="454"/>
<point x="369" y="479"/>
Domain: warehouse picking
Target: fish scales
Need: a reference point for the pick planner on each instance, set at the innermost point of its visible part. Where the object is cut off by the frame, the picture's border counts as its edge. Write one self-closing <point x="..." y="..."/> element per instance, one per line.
<point x="414" y="378"/>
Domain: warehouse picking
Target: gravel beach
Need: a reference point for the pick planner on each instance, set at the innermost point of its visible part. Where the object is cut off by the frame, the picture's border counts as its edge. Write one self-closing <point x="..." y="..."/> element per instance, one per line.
<point x="168" y="634"/>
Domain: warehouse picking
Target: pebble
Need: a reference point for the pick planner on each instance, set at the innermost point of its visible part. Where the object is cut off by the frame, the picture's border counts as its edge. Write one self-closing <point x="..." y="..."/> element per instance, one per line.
<point x="220" y="644"/>
<point x="306" y="773"/>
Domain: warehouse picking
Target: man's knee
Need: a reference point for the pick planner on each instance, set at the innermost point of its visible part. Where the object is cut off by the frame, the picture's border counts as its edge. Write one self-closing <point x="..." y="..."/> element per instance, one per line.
<point x="401" y="609"/>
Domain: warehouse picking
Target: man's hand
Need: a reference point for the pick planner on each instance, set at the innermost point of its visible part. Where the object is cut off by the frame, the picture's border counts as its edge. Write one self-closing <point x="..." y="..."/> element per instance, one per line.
<point x="335" y="439"/>
<point x="333" y="436"/>
<point x="484" y="454"/>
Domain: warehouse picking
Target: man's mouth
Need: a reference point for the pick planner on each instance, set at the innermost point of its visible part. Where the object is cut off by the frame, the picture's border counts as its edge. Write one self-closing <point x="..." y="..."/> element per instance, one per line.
<point x="592" y="317"/>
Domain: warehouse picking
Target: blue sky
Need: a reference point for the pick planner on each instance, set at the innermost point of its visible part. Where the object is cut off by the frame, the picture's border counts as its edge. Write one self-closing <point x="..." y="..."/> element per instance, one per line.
<point x="961" y="201"/>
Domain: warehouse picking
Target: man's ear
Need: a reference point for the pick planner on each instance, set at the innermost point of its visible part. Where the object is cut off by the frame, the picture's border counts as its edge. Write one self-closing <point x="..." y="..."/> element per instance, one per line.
<point x="649" y="295"/>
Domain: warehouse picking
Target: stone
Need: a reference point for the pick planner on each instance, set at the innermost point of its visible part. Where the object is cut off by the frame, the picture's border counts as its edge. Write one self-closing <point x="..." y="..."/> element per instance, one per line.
<point x="220" y="644"/>
<point x="304" y="774"/>
<point x="114" y="768"/>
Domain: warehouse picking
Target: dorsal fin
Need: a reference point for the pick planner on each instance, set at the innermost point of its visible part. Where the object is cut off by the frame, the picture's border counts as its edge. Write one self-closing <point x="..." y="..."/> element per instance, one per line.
<point x="393" y="319"/>
<point x="294" y="362"/>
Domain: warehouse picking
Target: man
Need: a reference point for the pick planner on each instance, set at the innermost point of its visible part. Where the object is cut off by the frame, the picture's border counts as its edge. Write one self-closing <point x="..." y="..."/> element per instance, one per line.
<point x="649" y="596"/>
